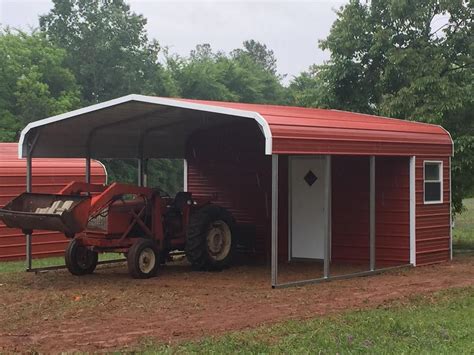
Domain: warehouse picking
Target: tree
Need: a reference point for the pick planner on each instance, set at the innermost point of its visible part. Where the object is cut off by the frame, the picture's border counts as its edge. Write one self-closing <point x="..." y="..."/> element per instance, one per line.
<point x="109" y="52"/>
<point x="259" y="53"/>
<point x="404" y="59"/>
<point x="34" y="83"/>
<point x="108" y="49"/>
<point x="217" y="76"/>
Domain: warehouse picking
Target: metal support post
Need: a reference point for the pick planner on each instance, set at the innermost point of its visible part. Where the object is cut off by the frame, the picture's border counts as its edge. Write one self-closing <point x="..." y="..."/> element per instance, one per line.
<point x="185" y="175"/>
<point x="450" y="212"/>
<point x="412" y="210"/>
<point x="145" y="173"/>
<point x="88" y="170"/>
<point x="327" y="204"/>
<point x="274" y="220"/>
<point x="372" y="213"/>
<point x="140" y="171"/>
<point x="28" y="189"/>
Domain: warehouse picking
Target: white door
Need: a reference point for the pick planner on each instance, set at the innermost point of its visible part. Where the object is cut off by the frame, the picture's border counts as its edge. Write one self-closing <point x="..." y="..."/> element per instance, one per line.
<point x="308" y="208"/>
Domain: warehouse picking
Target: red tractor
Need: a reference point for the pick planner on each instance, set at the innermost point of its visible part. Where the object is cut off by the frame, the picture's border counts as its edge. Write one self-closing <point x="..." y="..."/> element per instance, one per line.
<point x="143" y="223"/>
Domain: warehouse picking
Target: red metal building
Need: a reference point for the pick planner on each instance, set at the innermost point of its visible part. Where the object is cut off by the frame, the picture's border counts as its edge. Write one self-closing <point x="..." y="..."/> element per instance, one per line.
<point x="50" y="175"/>
<point x="308" y="183"/>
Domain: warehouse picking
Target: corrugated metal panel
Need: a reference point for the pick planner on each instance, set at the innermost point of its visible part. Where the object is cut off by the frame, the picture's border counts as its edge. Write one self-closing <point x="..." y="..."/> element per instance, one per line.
<point x="225" y="168"/>
<point x="49" y="176"/>
<point x="350" y="209"/>
<point x="297" y="130"/>
<point x="432" y="220"/>
<point x="392" y="211"/>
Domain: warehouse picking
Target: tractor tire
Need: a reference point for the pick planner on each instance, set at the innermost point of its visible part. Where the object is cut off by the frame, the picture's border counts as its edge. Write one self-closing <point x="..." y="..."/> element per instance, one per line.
<point x="210" y="243"/>
<point x="80" y="260"/>
<point x="143" y="259"/>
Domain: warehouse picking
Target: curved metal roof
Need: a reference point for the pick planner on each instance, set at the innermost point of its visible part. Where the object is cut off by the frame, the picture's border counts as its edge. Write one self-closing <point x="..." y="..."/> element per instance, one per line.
<point x="143" y="126"/>
<point x="298" y="130"/>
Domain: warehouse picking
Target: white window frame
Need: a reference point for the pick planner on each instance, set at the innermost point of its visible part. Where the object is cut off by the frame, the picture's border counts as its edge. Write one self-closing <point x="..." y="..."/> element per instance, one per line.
<point x="440" y="163"/>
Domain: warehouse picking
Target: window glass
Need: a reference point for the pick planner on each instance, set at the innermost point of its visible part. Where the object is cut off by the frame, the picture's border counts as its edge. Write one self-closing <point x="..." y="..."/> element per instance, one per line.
<point x="432" y="191"/>
<point x="433" y="182"/>
<point x="432" y="171"/>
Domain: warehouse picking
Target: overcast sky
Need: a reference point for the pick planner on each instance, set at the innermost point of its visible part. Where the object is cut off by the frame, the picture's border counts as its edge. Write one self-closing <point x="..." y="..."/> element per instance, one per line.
<point x="291" y="28"/>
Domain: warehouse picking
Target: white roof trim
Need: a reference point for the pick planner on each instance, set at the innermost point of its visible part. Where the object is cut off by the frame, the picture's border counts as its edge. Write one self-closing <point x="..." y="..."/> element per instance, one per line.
<point x="450" y="137"/>
<point x="157" y="101"/>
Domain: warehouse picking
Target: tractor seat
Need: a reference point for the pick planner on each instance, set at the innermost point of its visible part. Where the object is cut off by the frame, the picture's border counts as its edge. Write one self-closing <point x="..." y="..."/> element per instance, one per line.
<point x="180" y="200"/>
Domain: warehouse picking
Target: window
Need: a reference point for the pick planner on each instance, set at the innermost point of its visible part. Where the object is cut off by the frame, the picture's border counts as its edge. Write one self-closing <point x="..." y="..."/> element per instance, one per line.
<point x="433" y="181"/>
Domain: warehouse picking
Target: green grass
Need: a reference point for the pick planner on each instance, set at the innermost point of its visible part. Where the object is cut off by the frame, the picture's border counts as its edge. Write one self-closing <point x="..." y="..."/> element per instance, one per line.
<point x="17" y="266"/>
<point x="463" y="232"/>
<point x="440" y="324"/>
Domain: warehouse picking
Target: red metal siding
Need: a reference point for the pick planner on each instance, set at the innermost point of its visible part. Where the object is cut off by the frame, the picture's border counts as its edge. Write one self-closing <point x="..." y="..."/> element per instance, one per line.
<point x="392" y="211"/>
<point x="226" y="166"/>
<point x="432" y="220"/>
<point x="49" y="176"/>
<point x="350" y="209"/>
<point x="297" y="130"/>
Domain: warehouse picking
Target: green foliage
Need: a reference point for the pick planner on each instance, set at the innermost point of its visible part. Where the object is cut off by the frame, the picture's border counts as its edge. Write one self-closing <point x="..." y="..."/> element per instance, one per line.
<point x="237" y="77"/>
<point x="167" y="174"/>
<point x="439" y="324"/>
<point x="463" y="231"/>
<point x="259" y="54"/>
<point x="404" y="59"/>
<point x="34" y="83"/>
<point x="108" y="49"/>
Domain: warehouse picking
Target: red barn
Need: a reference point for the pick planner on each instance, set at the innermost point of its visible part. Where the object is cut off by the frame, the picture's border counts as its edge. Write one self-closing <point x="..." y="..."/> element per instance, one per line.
<point x="307" y="184"/>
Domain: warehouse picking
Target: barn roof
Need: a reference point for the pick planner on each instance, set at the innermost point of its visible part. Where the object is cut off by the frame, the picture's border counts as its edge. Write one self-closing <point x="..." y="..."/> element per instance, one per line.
<point x="144" y="126"/>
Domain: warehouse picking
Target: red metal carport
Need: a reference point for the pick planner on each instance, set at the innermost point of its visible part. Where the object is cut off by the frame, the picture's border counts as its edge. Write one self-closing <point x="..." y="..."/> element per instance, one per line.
<point x="315" y="184"/>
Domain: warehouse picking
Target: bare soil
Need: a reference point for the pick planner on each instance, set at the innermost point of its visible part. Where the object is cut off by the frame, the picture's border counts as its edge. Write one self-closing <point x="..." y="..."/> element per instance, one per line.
<point x="55" y="311"/>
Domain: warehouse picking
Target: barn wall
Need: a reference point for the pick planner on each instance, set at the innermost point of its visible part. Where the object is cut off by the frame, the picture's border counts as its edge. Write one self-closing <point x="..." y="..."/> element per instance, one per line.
<point x="350" y="209"/>
<point x="49" y="176"/>
<point x="432" y="221"/>
<point x="392" y="211"/>
<point x="229" y="167"/>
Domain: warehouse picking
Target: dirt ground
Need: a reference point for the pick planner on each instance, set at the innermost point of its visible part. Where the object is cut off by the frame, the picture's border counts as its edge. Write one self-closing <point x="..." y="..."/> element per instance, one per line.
<point x="54" y="311"/>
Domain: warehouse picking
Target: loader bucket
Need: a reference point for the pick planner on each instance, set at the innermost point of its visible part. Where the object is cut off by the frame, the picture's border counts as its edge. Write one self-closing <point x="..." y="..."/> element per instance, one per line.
<point x="63" y="213"/>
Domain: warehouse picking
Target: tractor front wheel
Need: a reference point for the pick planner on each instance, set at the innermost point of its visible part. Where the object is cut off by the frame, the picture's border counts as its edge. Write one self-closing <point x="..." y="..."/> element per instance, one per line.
<point x="80" y="260"/>
<point x="143" y="259"/>
<point x="209" y="241"/>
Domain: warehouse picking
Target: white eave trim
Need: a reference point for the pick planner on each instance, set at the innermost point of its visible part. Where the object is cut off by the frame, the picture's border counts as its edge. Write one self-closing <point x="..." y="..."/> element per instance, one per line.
<point x="263" y="124"/>
<point x="451" y="138"/>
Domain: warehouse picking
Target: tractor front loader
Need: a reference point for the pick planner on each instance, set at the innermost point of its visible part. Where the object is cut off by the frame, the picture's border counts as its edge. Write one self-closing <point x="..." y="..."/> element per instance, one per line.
<point x="142" y="223"/>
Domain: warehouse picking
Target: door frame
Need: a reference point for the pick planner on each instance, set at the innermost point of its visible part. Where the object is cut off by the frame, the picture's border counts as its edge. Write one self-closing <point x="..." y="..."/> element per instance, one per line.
<point x="327" y="202"/>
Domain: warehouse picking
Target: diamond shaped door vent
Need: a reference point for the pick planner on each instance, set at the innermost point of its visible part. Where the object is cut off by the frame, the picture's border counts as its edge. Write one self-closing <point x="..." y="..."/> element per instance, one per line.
<point x="310" y="178"/>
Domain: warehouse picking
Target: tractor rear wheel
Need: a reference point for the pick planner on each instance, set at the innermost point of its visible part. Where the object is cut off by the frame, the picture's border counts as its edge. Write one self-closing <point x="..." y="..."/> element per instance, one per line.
<point x="80" y="260"/>
<point x="209" y="241"/>
<point x="143" y="259"/>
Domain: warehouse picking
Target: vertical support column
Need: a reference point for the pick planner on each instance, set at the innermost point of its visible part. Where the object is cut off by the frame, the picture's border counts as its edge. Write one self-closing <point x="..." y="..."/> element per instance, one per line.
<point x="274" y="220"/>
<point x="372" y="213"/>
<point x="28" y="189"/>
<point x="140" y="171"/>
<point x="450" y="213"/>
<point x="185" y="175"/>
<point x="412" y="210"/>
<point x="88" y="169"/>
<point x="327" y="222"/>
<point x="145" y="173"/>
